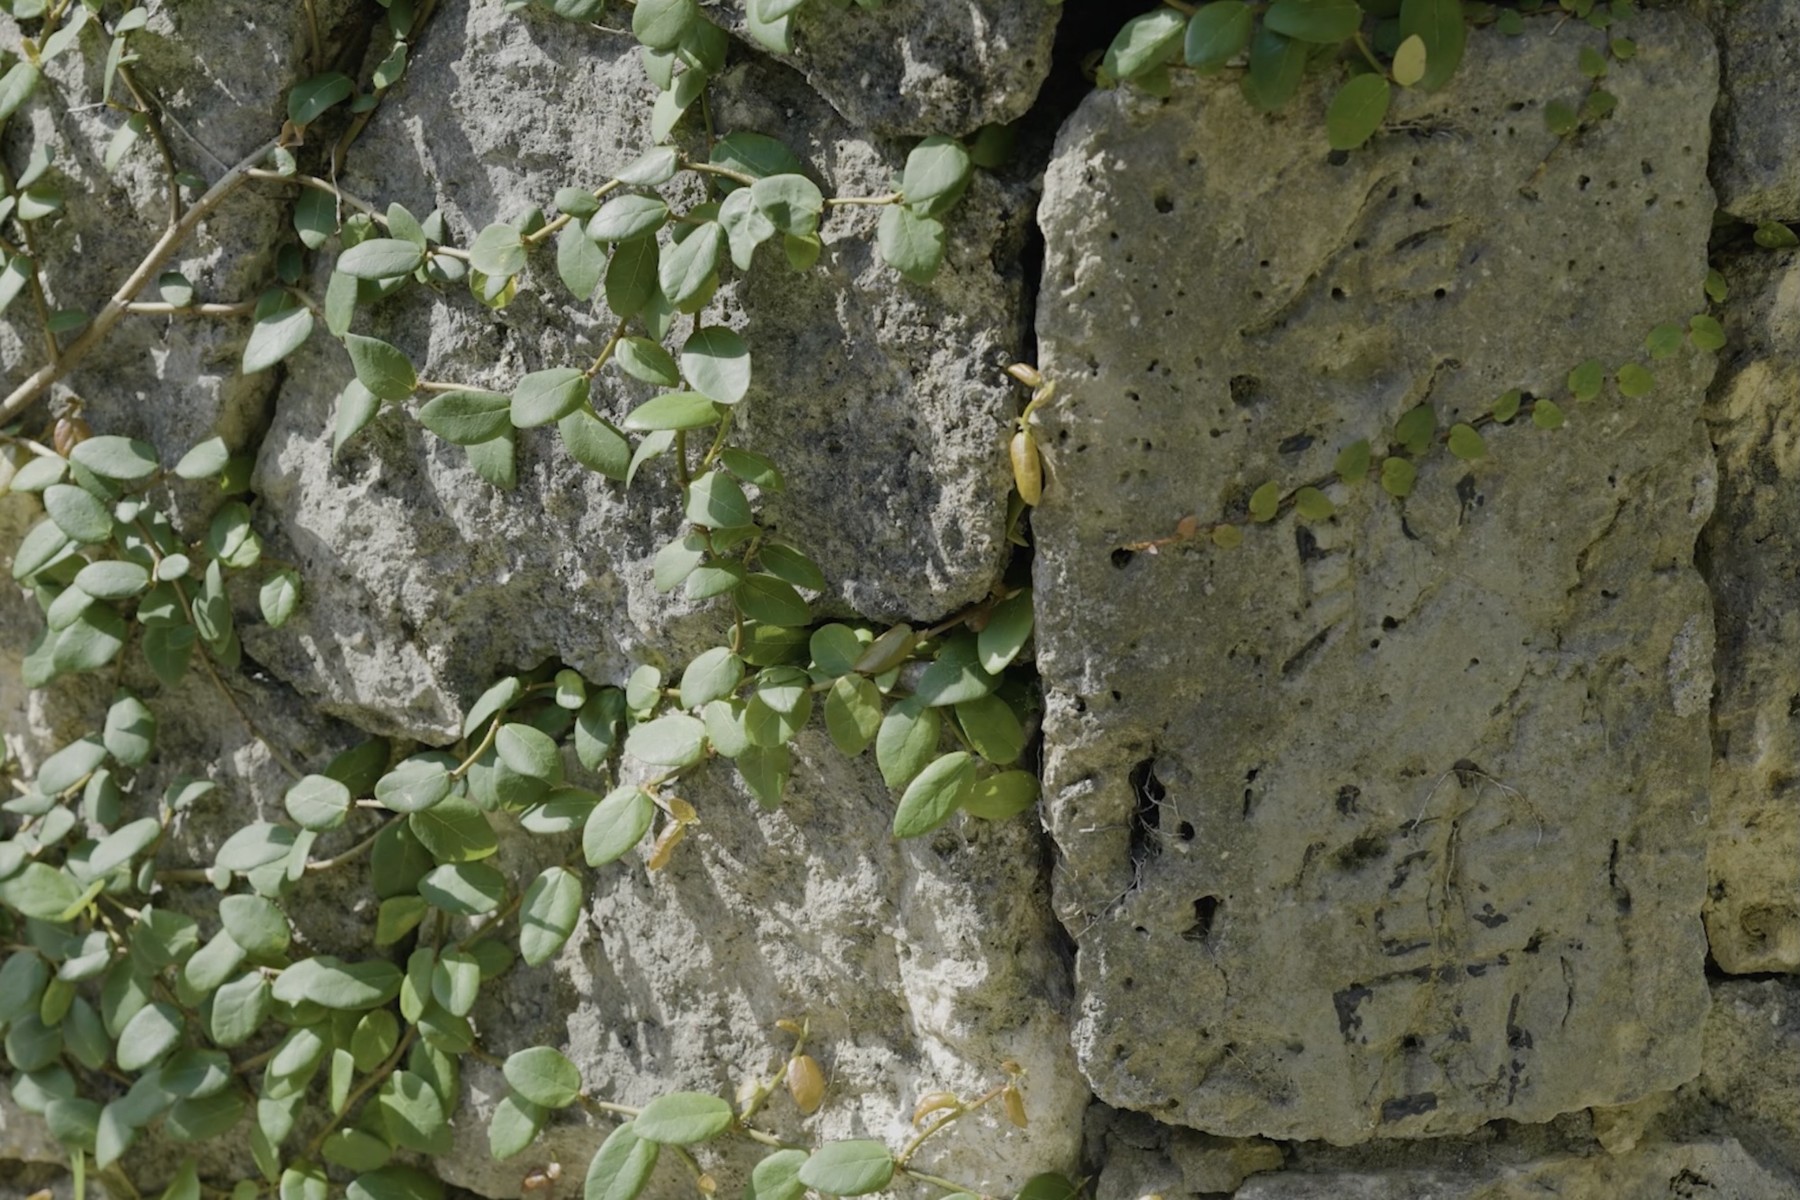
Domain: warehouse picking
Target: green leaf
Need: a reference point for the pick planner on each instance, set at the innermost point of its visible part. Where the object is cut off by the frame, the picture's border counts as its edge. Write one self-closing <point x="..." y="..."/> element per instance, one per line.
<point x="1144" y="43"/>
<point x="1397" y="477"/>
<point x="773" y="601"/>
<point x="955" y="676"/>
<point x="579" y="262"/>
<point x="549" y="914"/>
<point x="848" y="1168"/>
<point x="543" y="1076"/>
<point x="356" y="407"/>
<point x="332" y="983"/>
<point x="595" y="444"/>
<point x="997" y="797"/>
<point x="1265" y="501"/>
<point x="413" y="785"/>
<point x="993" y="730"/>
<point x="1547" y="414"/>
<point x="152" y="1033"/>
<point x="463" y="889"/>
<point x="514" y="1126"/>
<point x="660" y="24"/>
<point x="852" y="713"/>
<point x="676" y="740"/>
<point x="617" y="823"/>
<point x="777" y="1177"/>
<point x="1415" y="429"/>
<point x="907" y="740"/>
<point x="1705" y="332"/>
<point x="626" y="217"/>
<point x="1324" y="22"/>
<point x="1217" y="33"/>
<point x="716" y="501"/>
<point x="791" y="203"/>
<point x="255" y="845"/>
<point x="622" y="1167"/>
<point x="118" y="458"/>
<point x="255" y="924"/>
<point x="835" y="649"/>
<point x="936" y="175"/>
<point x="673" y="411"/>
<point x="467" y="417"/>
<point x="384" y="258"/>
<point x="112" y="579"/>
<point x="78" y="514"/>
<point x="1357" y="111"/>
<point x="1635" y="381"/>
<point x="712" y="675"/>
<point x="456" y="981"/>
<point x="934" y="794"/>
<point x="717" y="364"/>
<point x="687" y="270"/>
<point x="454" y="831"/>
<point x="1716" y="288"/>
<point x="546" y="396"/>
<point x="1439" y="24"/>
<point x="1048" y="1186"/>
<point x="317" y="802"/>
<point x="644" y="359"/>
<point x="529" y="751"/>
<point x="394" y="1183"/>
<point x="40" y="891"/>
<point x="765" y="771"/>
<point x="1773" y="235"/>
<point x="497" y="252"/>
<point x="790" y="565"/>
<point x="1276" y="66"/>
<point x="311" y="97"/>
<point x="356" y="1151"/>
<point x="682" y="1119"/>
<point x="1507" y="406"/>
<point x="16" y="87"/>
<point x="1409" y="61"/>
<point x="1007" y="630"/>
<point x="383" y="369"/>
<point x="1586" y="380"/>
<point x="910" y="243"/>
<point x="631" y="276"/>
<point x="1664" y="341"/>
<point x="1465" y="443"/>
<point x="653" y="168"/>
<point x="1560" y="118"/>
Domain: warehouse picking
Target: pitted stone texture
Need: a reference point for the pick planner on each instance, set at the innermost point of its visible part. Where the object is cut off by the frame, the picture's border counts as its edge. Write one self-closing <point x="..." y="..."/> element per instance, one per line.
<point x="1752" y="1070"/>
<point x="912" y="68"/>
<point x="1756" y="161"/>
<point x="1141" y="1157"/>
<point x="1753" y="552"/>
<point x="921" y="965"/>
<point x="220" y="69"/>
<point x="882" y="402"/>
<point x="1391" y="824"/>
<point x="1709" y="1169"/>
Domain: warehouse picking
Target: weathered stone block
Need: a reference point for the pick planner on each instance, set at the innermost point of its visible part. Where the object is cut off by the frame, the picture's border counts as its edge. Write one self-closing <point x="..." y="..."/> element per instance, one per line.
<point x="921" y="966"/>
<point x="1752" y="549"/>
<point x="1391" y="823"/>
<point x="1756" y="161"/>
<point x="424" y="582"/>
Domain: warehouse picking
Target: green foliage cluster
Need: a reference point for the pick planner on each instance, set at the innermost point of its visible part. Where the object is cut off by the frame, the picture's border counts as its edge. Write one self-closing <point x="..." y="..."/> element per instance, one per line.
<point x="124" y="1013"/>
<point x="1377" y="44"/>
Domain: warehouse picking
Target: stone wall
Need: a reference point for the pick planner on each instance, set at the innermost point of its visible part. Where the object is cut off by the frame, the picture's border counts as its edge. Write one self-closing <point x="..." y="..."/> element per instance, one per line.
<point x="1442" y="847"/>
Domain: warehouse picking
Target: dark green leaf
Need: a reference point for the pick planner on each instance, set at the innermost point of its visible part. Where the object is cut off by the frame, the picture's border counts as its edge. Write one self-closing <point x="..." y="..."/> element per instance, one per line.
<point x="682" y="1119"/>
<point x="617" y="824"/>
<point x="1217" y="33"/>
<point x="1326" y="22"/>
<point x="467" y="417"/>
<point x="384" y="370"/>
<point x="311" y="97"/>
<point x="1357" y="111"/>
<point x="848" y="1168"/>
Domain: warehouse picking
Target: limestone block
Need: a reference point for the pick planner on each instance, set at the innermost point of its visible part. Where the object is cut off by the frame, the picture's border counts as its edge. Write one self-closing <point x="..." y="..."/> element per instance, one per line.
<point x="1393" y="823"/>
<point x="921" y="966"/>
<point x="1752" y="1065"/>
<point x="1706" y="1169"/>
<point x="882" y="402"/>
<point x="912" y="68"/>
<point x="1141" y="1157"/>
<point x="1752" y="548"/>
<point x="1756" y="161"/>
<point x="219" y="70"/>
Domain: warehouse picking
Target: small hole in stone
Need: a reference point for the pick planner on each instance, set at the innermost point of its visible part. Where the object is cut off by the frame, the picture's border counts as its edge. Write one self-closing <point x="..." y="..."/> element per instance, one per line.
<point x="1121" y="558"/>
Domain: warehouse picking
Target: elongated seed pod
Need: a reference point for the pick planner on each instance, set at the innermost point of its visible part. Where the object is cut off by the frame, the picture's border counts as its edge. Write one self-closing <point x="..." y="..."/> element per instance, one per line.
<point x="1027" y="468"/>
<point x="806" y="1083"/>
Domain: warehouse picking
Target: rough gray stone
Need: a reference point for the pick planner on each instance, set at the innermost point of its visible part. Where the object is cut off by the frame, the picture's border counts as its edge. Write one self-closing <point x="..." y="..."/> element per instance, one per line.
<point x="1756" y="158"/>
<point x="424" y="582"/>
<point x="1752" y="1067"/>
<point x="1141" y="1157"/>
<point x="921" y="966"/>
<point x="912" y="68"/>
<point x="1753" y="551"/>
<point x="1393" y="823"/>
<point x="219" y="70"/>
<point x="1711" y="1169"/>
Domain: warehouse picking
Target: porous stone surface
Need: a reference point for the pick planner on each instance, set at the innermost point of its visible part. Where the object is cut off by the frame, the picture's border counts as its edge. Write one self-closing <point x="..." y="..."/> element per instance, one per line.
<point x="1394" y="823"/>
<point x="1711" y="1169"/>
<point x="424" y="582"/>
<point x="219" y="71"/>
<point x="1752" y="1071"/>
<point x="1142" y="1157"/>
<point x="1752" y="549"/>
<point x="913" y="68"/>
<point x="1756" y="162"/>
<point x="920" y="966"/>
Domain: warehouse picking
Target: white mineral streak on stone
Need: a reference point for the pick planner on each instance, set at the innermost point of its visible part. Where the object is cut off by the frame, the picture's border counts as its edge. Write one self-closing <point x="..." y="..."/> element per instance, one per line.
<point x="1437" y="739"/>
